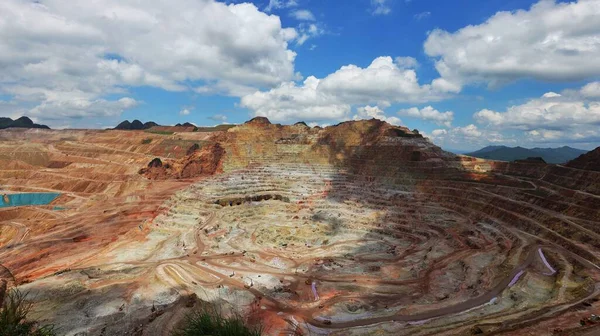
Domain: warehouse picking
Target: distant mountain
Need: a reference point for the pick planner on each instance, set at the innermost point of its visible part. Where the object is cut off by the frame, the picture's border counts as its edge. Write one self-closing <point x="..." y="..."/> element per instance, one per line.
<point x="489" y="149"/>
<point x="135" y="125"/>
<point x="138" y="125"/>
<point x="559" y="155"/>
<point x="187" y="124"/>
<point x="588" y="161"/>
<point x="550" y="155"/>
<point x="22" y="122"/>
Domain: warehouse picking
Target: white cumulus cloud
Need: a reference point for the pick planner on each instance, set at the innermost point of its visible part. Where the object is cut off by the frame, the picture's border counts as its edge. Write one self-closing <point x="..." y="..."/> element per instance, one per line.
<point x="406" y="62"/>
<point x="591" y="90"/>
<point x="382" y="83"/>
<point x="429" y="113"/>
<point x="551" y="41"/>
<point x="572" y="115"/>
<point x="551" y="112"/>
<point x="290" y="101"/>
<point x="369" y="112"/>
<point x="59" y="56"/>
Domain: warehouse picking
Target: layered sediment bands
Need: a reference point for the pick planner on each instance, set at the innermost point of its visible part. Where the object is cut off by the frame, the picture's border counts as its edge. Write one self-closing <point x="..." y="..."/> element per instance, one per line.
<point x="359" y="228"/>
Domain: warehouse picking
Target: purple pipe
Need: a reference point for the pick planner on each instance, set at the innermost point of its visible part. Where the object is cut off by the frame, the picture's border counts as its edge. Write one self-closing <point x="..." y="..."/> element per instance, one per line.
<point x="314" y="290"/>
<point x="552" y="270"/>
<point x="516" y="278"/>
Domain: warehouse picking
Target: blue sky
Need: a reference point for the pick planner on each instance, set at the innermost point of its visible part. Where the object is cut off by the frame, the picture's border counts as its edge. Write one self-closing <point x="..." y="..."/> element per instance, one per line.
<point x="465" y="73"/>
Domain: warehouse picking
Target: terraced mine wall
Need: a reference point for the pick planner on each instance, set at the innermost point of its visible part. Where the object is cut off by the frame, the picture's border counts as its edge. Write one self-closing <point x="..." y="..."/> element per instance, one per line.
<point x="358" y="228"/>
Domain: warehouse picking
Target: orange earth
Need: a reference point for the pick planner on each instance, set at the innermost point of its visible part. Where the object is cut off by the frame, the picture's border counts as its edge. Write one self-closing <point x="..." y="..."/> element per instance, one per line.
<point x="361" y="228"/>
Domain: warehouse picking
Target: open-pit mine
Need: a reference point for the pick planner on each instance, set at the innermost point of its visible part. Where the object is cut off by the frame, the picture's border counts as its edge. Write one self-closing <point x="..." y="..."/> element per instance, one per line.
<point x="361" y="228"/>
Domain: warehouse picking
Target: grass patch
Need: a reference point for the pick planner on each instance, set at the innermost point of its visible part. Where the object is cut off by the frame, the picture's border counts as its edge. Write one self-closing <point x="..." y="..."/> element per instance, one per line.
<point x="146" y="141"/>
<point x="209" y="320"/>
<point x="160" y="132"/>
<point x="13" y="317"/>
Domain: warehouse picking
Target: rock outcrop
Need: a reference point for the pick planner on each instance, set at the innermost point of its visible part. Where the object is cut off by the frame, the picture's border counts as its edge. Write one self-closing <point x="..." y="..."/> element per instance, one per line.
<point x="588" y="161"/>
<point x="258" y="121"/>
<point x="193" y="148"/>
<point x="203" y="161"/>
<point x="155" y="163"/>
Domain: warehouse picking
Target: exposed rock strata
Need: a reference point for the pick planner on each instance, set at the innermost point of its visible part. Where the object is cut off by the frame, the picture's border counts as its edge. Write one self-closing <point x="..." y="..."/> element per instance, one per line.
<point x="198" y="162"/>
<point x="351" y="229"/>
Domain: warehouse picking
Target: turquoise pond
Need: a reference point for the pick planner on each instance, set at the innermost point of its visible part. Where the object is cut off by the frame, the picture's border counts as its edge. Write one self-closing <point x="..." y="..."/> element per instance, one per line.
<point x="27" y="199"/>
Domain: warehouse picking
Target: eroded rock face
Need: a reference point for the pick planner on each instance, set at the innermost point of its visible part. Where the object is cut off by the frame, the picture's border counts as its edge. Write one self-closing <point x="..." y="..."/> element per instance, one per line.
<point x="193" y="148"/>
<point x="588" y="161"/>
<point x="203" y="161"/>
<point x="258" y="121"/>
<point x="155" y="163"/>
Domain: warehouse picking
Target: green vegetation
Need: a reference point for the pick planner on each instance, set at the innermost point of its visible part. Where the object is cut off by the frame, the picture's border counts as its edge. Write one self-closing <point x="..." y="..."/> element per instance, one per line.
<point x="146" y="141"/>
<point x="13" y="317"/>
<point x="160" y="132"/>
<point x="208" y="320"/>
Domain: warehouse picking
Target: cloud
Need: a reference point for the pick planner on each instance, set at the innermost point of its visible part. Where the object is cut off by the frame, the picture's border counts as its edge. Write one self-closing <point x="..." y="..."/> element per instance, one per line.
<point x="303" y="14"/>
<point x="550" y="42"/>
<point x="591" y="90"/>
<point x="382" y="83"/>
<point x="470" y="131"/>
<point x="218" y="117"/>
<point x="552" y="111"/>
<point x="77" y="53"/>
<point x="569" y="116"/>
<point x="429" y="113"/>
<point x="278" y="4"/>
<point x="185" y="111"/>
<point x="469" y="136"/>
<point x="581" y="135"/>
<point x="81" y="108"/>
<point x="369" y="112"/>
<point x="290" y="101"/>
<point x="406" y="62"/>
<point x="307" y="31"/>
<point x="380" y="7"/>
<point x="422" y="15"/>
